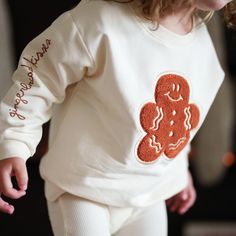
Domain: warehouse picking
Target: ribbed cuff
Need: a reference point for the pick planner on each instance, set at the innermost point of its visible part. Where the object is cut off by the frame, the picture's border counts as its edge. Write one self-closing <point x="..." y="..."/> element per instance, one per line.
<point x="12" y="148"/>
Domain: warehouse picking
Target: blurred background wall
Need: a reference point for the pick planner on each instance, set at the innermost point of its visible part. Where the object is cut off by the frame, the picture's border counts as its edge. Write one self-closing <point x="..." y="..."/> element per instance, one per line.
<point x="212" y="159"/>
<point x="6" y="59"/>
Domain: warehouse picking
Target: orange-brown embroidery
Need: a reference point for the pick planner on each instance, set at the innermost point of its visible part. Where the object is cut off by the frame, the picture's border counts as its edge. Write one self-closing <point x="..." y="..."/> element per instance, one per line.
<point x="24" y="86"/>
<point x="167" y="122"/>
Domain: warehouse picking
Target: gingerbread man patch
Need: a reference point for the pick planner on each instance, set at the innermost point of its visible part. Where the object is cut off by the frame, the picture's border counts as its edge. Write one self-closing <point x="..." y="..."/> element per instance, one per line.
<point x="168" y="121"/>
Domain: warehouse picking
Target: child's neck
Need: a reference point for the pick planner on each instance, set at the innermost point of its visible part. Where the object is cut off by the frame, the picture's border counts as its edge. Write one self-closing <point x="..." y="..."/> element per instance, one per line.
<point x="178" y="22"/>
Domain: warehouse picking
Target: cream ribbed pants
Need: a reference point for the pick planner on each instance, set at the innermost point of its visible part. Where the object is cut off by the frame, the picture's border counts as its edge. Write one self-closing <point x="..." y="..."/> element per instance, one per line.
<point x="74" y="216"/>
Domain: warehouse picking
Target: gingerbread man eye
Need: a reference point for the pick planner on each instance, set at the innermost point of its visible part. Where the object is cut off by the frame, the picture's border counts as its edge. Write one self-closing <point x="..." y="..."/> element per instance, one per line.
<point x="167" y="122"/>
<point x="175" y="87"/>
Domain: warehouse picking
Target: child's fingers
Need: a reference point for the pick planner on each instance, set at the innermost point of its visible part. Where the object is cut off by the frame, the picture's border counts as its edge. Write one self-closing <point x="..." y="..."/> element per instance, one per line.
<point x="179" y="201"/>
<point x="172" y="200"/>
<point x="7" y="187"/>
<point x="185" y="206"/>
<point x="188" y="203"/>
<point x="169" y="201"/>
<point x="6" y="207"/>
<point x="175" y="204"/>
<point x="21" y="175"/>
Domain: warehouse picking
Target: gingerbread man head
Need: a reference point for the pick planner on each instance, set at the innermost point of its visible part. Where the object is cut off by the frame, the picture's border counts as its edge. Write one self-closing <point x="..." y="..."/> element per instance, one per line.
<point x="171" y="89"/>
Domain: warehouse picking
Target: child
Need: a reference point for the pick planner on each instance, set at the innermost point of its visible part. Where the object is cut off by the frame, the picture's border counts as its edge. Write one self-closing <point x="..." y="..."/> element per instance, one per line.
<point x="127" y="85"/>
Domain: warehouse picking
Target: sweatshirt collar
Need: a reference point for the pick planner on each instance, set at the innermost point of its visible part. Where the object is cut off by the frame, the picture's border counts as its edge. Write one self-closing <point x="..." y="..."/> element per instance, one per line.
<point x="164" y="35"/>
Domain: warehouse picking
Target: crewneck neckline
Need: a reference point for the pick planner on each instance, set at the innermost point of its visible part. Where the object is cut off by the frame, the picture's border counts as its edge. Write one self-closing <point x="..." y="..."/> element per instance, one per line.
<point x="164" y="35"/>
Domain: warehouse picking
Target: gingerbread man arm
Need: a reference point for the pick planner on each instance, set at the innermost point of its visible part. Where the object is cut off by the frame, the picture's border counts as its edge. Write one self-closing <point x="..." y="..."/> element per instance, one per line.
<point x="150" y="116"/>
<point x="192" y="116"/>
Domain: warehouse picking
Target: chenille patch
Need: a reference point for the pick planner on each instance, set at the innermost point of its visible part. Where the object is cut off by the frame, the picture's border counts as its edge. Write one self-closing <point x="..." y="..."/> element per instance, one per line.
<point x="168" y="121"/>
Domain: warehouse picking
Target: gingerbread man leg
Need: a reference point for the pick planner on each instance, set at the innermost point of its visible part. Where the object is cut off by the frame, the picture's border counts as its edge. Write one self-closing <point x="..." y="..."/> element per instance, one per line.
<point x="149" y="148"/>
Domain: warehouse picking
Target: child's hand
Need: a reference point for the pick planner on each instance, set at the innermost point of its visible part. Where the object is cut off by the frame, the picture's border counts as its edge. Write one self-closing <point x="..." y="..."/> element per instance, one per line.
<point x="12" y="167"/>
<point x="182" y="201"/>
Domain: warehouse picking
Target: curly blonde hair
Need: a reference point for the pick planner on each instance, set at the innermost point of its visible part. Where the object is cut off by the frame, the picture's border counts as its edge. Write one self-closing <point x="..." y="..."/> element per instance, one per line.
<point x="156" y="9"/>
<point x="230" y="14"/>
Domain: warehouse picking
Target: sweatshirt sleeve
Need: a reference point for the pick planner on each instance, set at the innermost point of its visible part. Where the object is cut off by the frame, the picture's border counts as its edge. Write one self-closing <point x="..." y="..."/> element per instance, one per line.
<point x="52" y="61"/>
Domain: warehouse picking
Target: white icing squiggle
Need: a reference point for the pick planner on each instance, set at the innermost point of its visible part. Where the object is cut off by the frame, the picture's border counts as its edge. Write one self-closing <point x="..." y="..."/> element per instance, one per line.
<point x="154" y="144"/>
<point x="176" y="145"/>
<point x="188" y="116"/>
<point x="172" y="99"/>
<point x="157" y="119"/>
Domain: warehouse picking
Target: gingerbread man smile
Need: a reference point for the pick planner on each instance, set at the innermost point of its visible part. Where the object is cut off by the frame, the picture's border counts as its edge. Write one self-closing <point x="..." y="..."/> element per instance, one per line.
<point x="172" y="94"/>
<point x="167" y="122"/>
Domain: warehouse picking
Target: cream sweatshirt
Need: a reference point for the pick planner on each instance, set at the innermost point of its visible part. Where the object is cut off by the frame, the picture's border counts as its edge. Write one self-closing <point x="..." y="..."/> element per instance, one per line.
<point x="125" y="101"/>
